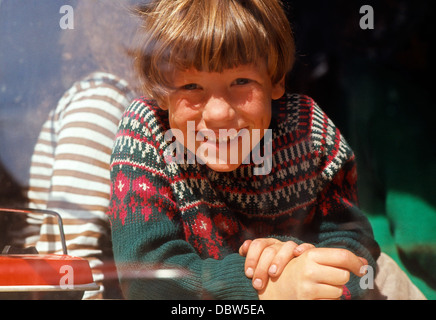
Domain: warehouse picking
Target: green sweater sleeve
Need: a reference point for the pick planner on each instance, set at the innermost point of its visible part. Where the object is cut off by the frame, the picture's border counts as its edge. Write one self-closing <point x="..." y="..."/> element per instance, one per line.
<point x="342" y="224"/>
<point x="148" y="237"/>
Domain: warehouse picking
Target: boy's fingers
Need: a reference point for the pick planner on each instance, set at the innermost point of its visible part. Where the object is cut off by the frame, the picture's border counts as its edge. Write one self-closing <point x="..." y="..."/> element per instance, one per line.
<point x="244" y="248"/>
<point x="253" y="255"/>
<point x="281" y="259"/>
<point x="364" y="261"/>
<point x="302" y="248"/>
<point x="340" y="258"/>
<point x="260" y="276"/>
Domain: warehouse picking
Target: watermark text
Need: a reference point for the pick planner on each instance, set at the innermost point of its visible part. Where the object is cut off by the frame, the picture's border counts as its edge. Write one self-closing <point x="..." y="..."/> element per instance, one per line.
<point x="67" y="20"/>
<point x="367" y="20"/>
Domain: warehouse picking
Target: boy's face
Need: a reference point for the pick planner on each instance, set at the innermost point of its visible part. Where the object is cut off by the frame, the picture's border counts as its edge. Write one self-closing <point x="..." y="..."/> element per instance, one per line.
<point x="205" y="102"/>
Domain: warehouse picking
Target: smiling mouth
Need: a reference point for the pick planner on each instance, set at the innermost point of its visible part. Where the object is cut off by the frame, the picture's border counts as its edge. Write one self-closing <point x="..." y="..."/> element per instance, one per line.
<point x="225" y="136"/>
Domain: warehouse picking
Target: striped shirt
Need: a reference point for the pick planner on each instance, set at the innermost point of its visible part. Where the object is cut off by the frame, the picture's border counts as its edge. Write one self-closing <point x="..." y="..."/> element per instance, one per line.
<point x="70" y="170"/>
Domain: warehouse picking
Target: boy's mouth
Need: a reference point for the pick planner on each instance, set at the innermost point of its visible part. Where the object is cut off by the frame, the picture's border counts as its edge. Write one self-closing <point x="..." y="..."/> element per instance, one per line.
<point x="226" y="136"/>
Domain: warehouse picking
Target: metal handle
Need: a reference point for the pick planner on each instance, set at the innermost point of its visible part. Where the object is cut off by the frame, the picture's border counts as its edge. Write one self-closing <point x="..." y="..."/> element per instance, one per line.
<point x="47" y="212"/>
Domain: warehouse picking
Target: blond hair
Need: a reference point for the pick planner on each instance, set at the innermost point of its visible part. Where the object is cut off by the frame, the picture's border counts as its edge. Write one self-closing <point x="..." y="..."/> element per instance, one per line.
<point x="210" y="35"/>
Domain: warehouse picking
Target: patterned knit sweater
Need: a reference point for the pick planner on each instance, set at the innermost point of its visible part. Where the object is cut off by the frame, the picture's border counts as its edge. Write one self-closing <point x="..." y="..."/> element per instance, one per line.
<point x="187" y="216"/>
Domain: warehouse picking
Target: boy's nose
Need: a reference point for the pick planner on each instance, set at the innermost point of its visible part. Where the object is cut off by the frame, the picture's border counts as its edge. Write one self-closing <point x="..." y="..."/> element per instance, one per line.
<point x="218" y="110"/>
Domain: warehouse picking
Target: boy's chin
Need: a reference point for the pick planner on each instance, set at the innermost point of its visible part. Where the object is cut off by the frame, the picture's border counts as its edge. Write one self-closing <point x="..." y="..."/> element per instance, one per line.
<point x="223" y="167"/>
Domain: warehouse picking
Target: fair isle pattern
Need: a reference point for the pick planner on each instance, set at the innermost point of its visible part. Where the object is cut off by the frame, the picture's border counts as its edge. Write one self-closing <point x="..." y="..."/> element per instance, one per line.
<point x="70" y="168"/>
<point x="309" y="195"/>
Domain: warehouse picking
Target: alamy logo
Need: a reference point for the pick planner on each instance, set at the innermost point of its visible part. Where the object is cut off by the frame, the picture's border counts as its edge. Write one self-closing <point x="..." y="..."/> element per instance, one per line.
<point x="67" y="20"/>
<point x="67" y="280"/>
<point x="225" y="148"/>
<point x="367" y="281"/>
<point x="367" y="20"/>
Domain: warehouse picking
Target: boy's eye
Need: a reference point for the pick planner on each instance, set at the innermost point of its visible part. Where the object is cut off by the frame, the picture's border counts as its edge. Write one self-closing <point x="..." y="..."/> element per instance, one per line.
<point x="241" y="81"/>
<point x="190" y="86"/>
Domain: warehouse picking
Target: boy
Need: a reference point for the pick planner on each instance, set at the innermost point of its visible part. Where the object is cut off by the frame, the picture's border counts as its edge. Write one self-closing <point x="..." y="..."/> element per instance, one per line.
<point x="210" y="71"/>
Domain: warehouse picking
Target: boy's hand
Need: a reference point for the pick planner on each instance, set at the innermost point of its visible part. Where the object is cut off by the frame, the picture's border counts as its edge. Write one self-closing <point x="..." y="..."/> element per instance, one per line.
<point x="319" y="273"/>
<point x="268" y="257"/>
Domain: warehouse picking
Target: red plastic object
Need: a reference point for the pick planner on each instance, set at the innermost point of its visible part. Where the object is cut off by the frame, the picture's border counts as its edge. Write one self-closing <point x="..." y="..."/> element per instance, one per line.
<point x="51" y="276"/>
<point x="44" y="270"/>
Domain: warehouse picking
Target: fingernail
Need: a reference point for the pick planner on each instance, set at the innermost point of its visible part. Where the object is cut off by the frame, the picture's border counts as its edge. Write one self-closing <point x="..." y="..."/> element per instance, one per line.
<point x="249" y="272"/>
<point x="257" y="284"/>
<point x="272" y="269"/>
<point x="364" y="270"/>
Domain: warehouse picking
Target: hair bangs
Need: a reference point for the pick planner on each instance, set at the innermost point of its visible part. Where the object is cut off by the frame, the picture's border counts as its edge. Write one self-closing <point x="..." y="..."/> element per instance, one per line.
<point x="213" y="42"/>
<point x="211" y="36"/>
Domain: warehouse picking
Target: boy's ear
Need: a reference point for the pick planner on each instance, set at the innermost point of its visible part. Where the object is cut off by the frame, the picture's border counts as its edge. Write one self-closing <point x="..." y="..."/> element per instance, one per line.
<point x="163" y="103"/>
<point x="278" y="89"/>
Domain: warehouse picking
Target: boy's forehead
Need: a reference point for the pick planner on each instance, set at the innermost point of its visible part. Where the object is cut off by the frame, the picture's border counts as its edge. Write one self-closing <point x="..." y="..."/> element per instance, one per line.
<point x="258" y="68"/>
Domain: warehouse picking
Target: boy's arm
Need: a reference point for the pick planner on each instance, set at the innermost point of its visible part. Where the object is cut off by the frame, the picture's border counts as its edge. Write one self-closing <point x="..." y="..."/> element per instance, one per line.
<point x="338" y="228"/>
<point x="147" y="231"/>
<point x="147" y="236"/>
<point x="335" y="221"/>
<point x="342" y="224"/>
